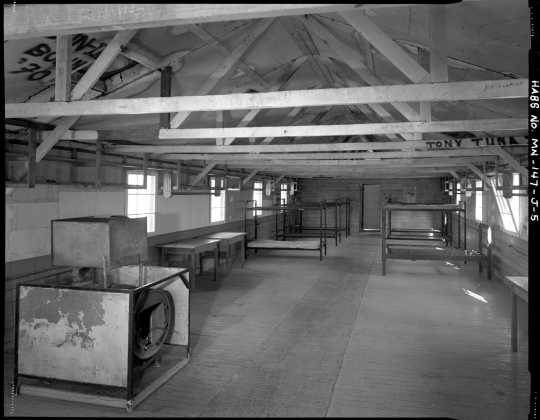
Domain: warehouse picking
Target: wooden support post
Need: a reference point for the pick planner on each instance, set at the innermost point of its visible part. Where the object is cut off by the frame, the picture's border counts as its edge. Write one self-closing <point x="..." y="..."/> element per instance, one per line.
<point x="459" y="228"/>
<point x="32" y="141"/>
<point x="99" y="152"/>
<point x="383" y="240"/>
<point x="325" y="226"/>
<point x="145" y="170"/>
<point x="178" y="176"/>
<point x="336" y="222"/>
<point x="72" y="171"/>
<point x="219" y="124"/>
<point x="320" y="231"/>
<point x="166" y="78"/>
<point x="62" y="84"/>
<point x="481" y="257"/>
<point x="465" y="225"/>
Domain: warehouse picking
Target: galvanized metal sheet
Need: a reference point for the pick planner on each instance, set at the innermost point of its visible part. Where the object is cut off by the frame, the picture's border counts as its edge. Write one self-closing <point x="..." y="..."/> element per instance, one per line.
<point x="75" y="335"/>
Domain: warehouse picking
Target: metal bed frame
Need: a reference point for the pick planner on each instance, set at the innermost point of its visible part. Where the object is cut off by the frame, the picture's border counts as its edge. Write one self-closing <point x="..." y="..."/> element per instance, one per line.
<point x="428" y="244"/>
<point x="299" y="230"/>
<point x="287" y="245"/>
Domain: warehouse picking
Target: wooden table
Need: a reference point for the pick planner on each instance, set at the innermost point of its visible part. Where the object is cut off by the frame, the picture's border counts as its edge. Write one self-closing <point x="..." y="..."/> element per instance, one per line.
<point x="193" y="248"/>
<point x="228" y="239"/>
<point x="519" y="285"/>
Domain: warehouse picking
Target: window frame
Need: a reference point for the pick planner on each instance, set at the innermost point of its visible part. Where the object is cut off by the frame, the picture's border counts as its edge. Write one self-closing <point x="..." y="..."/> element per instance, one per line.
<point x="283" y="196"/>
<point x="503" y="205"/>
<point x="479" y="200"/>
<point x="151" y="217"/>
<point x="259" y="192"/>
<point x="222" y="198"/>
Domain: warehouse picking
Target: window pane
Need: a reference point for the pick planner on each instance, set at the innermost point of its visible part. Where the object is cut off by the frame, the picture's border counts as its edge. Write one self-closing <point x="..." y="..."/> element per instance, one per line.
<point x="478" y="201"/>
<point x="142" y="202"/>
<point x="504" y="208"/>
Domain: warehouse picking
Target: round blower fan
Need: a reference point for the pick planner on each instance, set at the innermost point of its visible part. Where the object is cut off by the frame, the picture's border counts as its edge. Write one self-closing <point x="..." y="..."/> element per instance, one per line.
<point x="154" y="322"/>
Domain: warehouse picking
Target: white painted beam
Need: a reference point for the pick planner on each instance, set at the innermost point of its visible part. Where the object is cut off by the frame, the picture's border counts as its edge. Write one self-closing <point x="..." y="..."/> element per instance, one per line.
<point x="62" y="84"/>
<point x="322" y="147"/>
<point x="388" y="163"/>
<point x="33" y="21"/>
<point x="481" y="151"/>
<point x="102" y="63"/>
<point x="354" y="60"/>
<point x="452" y="91"/>
<point x="142" y="56"/>
<point x="347" y="129"/>
<point x="387" y="46"/>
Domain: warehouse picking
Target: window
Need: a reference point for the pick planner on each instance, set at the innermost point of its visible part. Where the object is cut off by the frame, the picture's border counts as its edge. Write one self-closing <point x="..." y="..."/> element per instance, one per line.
<point x="141" y="202"/>
<point x="479" y="196"/>
<point x="503" y="205"/>
<point x="257" y="196"/>
<point x="515" y="200"/>
<point x="283" y="195"/>
<point x="458" y="192"/>
<point x="217" y="203"/>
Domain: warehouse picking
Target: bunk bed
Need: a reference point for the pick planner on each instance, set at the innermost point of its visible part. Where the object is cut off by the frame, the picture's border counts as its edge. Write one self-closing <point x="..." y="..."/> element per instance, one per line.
<point x="428" y="244"/>
<point x="297" y="228"/>
<point x="254" y="243"/>
<point x="299" y="231"/>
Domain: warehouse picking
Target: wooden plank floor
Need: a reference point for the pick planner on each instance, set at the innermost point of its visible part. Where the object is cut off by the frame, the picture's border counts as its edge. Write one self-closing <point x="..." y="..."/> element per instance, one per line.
<point x="290" y="335"/>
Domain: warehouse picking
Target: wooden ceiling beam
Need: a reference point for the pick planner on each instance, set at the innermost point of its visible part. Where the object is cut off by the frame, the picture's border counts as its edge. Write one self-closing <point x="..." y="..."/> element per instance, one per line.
<point x="388" y="163"/>
<point x="250" y="115"/>
<point x="62" y="83"/>
<point x="142" y="56"/>
<point x="204" y="35"/>
<point x="354" y="60"/>
<point x="203" y="174"/>
<point x="249" y="177"/>
<point x="512" y="161"/>
<point x="225" y="68"/>
<point x="475" y="143"/>
<point x="483" y="151"/>
<point x="387" y="46"/>
<point x="347" y="129"/>
<point x="34" y="21"/>
<point x="88" y="80"/>
<point x="452" y="91"/>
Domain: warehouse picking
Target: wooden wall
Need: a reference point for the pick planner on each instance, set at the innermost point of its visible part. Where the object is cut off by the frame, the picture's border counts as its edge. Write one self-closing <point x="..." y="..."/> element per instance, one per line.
<point x="423" y="190"/>
<point x="510" y="249"/>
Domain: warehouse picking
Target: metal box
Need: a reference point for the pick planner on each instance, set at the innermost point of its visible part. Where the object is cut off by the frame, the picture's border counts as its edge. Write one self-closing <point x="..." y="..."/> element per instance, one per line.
<point x="85" y="241"/>
<point x="75" y="341"/>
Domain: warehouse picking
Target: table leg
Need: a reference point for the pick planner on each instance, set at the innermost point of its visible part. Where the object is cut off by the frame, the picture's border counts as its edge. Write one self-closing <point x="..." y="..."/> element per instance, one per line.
<point x="193" y="269"/>
<point x="514" y="337"/>
<point x="243" y="251"/>
<point x="216" y="258"/>
<point x="162" y="260"/>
